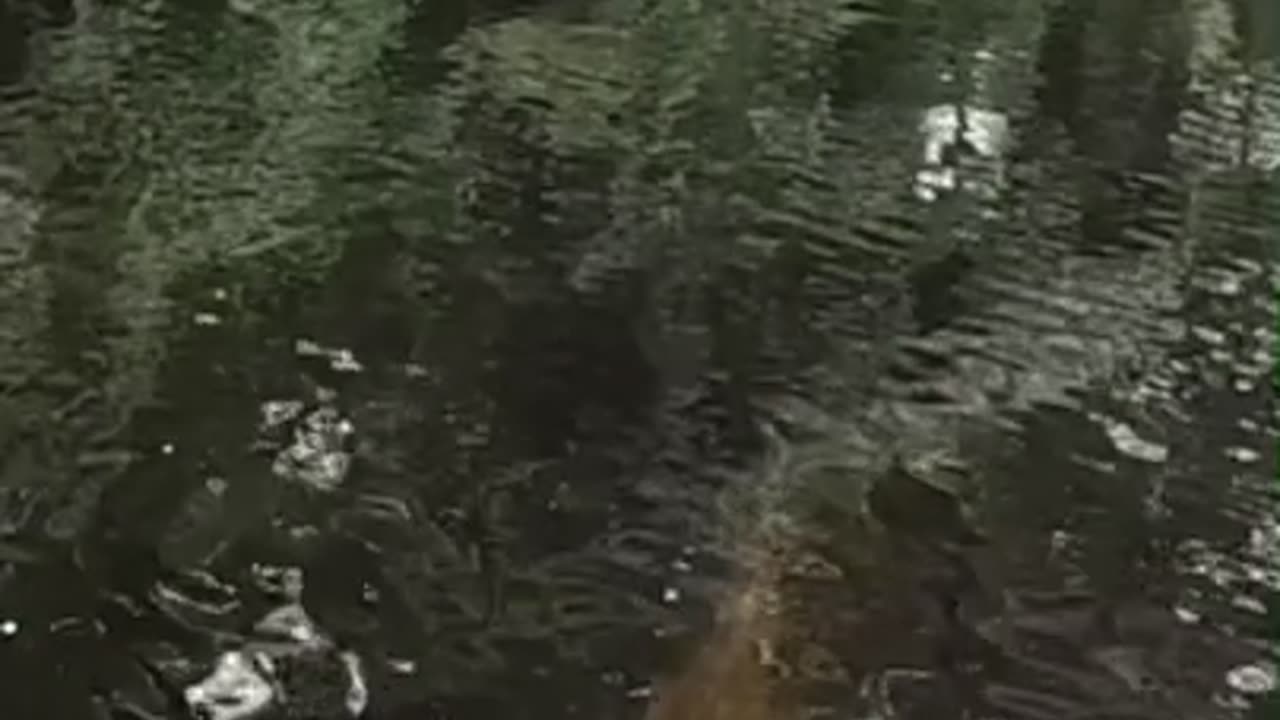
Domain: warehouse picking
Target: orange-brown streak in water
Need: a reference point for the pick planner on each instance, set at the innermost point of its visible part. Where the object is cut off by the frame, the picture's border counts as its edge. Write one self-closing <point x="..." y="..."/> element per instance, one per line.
<point x="731" y="676"/>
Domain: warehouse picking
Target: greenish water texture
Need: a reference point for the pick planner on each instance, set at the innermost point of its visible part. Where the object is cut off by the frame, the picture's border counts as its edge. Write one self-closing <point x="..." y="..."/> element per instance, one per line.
<point x="470" y="342"/>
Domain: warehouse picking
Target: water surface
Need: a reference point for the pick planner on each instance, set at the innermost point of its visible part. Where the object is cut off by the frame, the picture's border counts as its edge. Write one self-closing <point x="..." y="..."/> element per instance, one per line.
<point x="602" y="359"/>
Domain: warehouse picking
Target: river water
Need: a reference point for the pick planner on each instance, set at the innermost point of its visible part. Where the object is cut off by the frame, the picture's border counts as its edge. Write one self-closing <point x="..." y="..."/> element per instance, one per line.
<point x="662" y="359"/>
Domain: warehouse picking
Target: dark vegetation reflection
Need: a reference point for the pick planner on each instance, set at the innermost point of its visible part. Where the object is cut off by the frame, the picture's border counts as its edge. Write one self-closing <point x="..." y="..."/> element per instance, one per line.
<point x="621" y="359"/>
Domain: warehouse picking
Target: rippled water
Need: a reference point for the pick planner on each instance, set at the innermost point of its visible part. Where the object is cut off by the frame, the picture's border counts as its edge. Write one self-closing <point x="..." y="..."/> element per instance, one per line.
<point x="619" y="359"/>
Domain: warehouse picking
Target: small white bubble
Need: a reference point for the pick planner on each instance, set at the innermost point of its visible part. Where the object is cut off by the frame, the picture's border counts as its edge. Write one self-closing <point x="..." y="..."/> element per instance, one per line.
<point x="167" y="448"/>
<point x="9" y="628"/>
<point x="216" y="485"/>
<point x="670" y="595"/>
<point x="1186" y="615"/>
<point x="206" y="319"/>
<point x="219" y="294"/>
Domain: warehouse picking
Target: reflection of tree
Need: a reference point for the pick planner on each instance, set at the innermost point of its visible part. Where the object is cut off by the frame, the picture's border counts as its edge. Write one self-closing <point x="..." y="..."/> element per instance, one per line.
<point x="169" y="160"/>
<point x="687" y="201"/>
<point x="1120" y="528"/>
<point x="1092" y="65"/>
<point x="1114" y="56"/>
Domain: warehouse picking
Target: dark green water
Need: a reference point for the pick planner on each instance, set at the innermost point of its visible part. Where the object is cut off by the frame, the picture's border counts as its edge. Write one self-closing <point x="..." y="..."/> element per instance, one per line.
<point x="505" y="322"/>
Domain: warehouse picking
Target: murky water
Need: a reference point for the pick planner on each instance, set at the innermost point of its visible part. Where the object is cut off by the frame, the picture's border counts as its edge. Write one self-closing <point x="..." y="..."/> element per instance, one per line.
<point x="618" y="359"/>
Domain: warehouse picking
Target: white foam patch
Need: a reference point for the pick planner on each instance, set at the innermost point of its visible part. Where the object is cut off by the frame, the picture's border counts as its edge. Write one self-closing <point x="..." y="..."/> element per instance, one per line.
<point x="235" y="690"/>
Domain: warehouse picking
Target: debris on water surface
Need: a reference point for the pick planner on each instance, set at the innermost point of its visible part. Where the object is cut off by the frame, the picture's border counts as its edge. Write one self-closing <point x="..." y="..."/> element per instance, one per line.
<point x="235" y="690"/>
<point x="293" y="665"/>
<point x="318" y="455"/>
